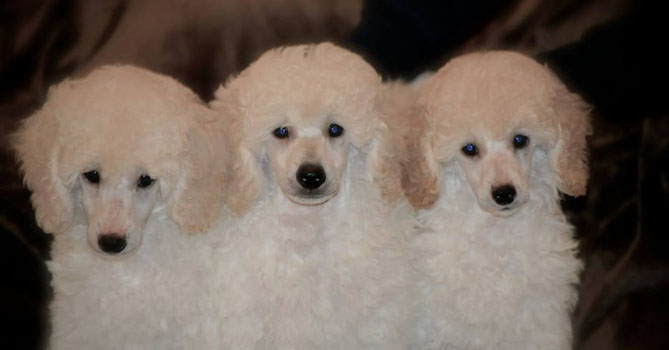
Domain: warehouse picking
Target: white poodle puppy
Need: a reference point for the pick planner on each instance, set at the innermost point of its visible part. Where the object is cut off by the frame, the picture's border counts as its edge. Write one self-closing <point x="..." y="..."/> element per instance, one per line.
<point x="121" y="164"/>
<point x="499" y="135"/>
<point x="319" y="257"/>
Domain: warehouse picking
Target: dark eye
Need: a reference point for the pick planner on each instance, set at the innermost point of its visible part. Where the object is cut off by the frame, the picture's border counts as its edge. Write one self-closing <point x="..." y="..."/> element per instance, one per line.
<point x="92" y="176"/>
<point x="520" y="141"/>
<point x="144" y="181"/>
<point x="470" y="150"/>
<point x="281" y="132"/>
<point x="335" y="130"/>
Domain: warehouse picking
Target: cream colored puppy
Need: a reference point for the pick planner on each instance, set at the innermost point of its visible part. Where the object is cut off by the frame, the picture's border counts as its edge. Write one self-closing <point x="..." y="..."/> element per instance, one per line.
<point x="319" y="259"/>
<point x="501" y="136"/>
<point x="121" y="166"/>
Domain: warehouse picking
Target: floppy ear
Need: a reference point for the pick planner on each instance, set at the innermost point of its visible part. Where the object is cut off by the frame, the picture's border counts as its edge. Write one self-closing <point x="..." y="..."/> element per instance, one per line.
<point x="365" y="118"/>
<point x="245" y="180"/>
<point x="245" y="177"/>
<point x="421" y="173"/>
<point x="38" y="153"/>
<point x="384" y="163"/>
<point x="197" y="204"/>
<point x="569" y="156"/>
<point x="364" y="132"/>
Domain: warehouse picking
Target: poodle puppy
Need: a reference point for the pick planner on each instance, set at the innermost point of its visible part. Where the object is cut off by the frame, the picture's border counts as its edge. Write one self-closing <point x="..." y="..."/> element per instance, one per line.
<point x="121" y="165"/>
<point x="499" y="136"/>
<point x="319" y="257"/>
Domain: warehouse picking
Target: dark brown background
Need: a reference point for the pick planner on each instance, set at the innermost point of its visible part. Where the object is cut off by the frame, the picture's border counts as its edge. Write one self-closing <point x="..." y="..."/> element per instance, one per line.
<point x="611" y="52"/>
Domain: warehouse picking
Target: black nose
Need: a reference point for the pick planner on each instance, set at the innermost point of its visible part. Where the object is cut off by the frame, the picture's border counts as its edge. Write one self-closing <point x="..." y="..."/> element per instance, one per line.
<point x="112" y="243"/>
<point x="504" y="194"/>
<point x="310" y="176"/>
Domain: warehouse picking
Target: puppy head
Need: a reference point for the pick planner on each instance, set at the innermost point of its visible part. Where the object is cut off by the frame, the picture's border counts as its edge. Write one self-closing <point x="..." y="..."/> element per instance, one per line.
<point x="490" y="112"/>
<point x="110" y="149"/>
<point x="297" y="110"/>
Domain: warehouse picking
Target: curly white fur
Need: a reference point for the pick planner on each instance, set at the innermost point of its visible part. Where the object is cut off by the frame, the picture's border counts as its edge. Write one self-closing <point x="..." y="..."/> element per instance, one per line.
<point x="333" y="274"/>
<point x="124" y="121"/>
<point x="495" y="276"/>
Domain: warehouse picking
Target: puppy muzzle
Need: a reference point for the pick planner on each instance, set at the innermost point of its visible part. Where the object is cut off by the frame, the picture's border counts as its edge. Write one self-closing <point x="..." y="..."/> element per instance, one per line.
<point x="505" y="200"/>
<point x="504" y="195"/>
<point x="311" y="176"/>
<point x="112" y="243"/>
<point x="312" y="185"/>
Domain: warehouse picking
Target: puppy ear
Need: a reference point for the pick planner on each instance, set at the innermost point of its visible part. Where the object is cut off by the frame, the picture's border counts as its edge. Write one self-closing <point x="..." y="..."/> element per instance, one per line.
<point x="245" y="177"/>
<point x="569" y="156"/>
<point x="420" y="171"/>
<point x="245" y="181"/>
<point x="365" y="118"/>
<point x="38" y="152"/>
<point x="384" y="163"/>
<point x="197" y="204"/>
<point x="365" y="130"/>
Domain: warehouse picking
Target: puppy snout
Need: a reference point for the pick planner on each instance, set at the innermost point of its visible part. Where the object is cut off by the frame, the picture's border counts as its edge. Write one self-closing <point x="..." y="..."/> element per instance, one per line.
<point x="504" y="194"/>
<point x="112" y="243"/>
<point x="310" y="176"/>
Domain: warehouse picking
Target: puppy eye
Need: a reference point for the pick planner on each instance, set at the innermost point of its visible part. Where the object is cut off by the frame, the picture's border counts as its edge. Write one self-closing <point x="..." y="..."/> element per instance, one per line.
<point x="520" y="141"/>
<point x="92" y="176"/>
<point x="144" y="181"/>
<point x="470" y="150"/>
<point x="281" y="132"/>
<point x="335" y="130"/>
